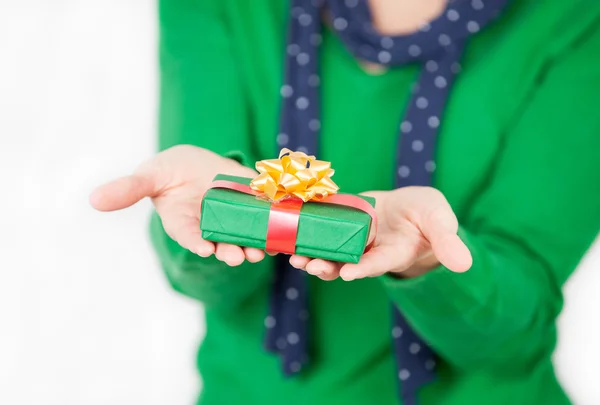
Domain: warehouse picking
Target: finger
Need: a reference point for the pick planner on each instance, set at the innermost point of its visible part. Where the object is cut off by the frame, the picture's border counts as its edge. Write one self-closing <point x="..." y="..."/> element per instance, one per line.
<point x="299" y="262"/>
<point x="324" y="269"/>
<point x="381" y="259"/>
<point x="230" y="254"/>
<point x="440" y="229"/>
<point x="185" y="230"/>
<point x="451" y="252"/>
<point x="121" y="193"/>
<point x="254" y="255"/>
<point x="329" y="276"/>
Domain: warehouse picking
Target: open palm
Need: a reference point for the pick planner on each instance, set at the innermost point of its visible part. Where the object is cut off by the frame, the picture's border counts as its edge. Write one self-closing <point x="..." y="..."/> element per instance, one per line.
<point x="417" y="231"/>
<point x="176" y="181"/>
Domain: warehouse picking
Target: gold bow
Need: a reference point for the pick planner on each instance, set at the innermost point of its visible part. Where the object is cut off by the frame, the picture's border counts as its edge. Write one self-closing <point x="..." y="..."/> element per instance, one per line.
<point x="294" y="174"/>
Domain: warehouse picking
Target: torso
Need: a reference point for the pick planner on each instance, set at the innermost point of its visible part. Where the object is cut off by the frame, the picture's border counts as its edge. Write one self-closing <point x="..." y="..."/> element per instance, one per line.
<point x="360" y="130"/>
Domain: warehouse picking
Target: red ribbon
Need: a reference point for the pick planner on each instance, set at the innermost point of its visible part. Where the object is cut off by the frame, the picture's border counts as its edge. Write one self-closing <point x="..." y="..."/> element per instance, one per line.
<point x="284" y="216"/>
<point x="282" y="228"/>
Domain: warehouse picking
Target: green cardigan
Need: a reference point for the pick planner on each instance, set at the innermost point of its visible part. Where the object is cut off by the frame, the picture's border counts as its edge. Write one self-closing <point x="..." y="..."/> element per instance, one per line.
<point x="518" y="158"/>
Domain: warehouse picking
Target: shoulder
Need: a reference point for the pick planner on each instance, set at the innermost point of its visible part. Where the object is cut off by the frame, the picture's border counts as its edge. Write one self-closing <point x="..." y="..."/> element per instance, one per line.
<point x="532" y="40"/>
<point x="569" y="42"/>
<point x="237" y="17"/>
<point x="551" y="27"/>
<point x="173" y="10"/>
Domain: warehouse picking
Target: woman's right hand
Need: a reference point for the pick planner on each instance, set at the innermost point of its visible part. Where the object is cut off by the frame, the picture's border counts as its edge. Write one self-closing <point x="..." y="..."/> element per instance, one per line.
<point x="176" y="180"/>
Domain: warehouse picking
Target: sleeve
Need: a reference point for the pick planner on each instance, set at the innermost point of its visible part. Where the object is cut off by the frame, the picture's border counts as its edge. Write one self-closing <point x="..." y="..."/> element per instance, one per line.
<point x="202" y="103"/>
<point x="527" y="230"/>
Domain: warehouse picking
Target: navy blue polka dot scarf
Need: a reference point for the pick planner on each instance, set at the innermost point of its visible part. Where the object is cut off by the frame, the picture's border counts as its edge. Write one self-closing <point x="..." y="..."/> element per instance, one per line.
<point x="437" y="47"/>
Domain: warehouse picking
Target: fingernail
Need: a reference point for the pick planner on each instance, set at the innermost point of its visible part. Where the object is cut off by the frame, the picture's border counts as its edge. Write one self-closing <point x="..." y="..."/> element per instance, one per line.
<point x="234" y="263"/>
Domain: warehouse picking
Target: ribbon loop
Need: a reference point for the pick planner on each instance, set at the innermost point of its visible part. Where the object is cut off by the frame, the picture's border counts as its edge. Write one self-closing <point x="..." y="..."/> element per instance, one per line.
<point x="294" y="174"/>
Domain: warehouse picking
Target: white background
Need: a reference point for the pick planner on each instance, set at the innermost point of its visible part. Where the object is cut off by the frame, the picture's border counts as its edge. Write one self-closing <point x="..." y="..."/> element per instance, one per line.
<point x="86" y="317"/>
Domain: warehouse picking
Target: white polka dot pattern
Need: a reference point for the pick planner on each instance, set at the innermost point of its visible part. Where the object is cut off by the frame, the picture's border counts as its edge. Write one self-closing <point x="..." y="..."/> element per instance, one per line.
<point x="296" y="12"/>
<point x="441" y="82"/>
<point x="433" y="122"/>
<point x="387" y="42"/>
<point x="414" y="348"/>
<point x="314" y="125"/>
<point x="340" y="24"/>
<point x="404" y="171"/>
<point x="404" y="374"/>
<point x="282" y="139"/>
<point x="414" y="50"/>
<point x="384" y="57"/>
<point x="444" y="40"/>
<point x="316" y="39"/>
<point x="431" y="66"/>
<point x="452" y="15"/>
<point x="302" y="58"/>
<point x="305" y="19"/>
<point x="270" y="321"/>
<point x="477" y="4"/>
<point x="430" y="166"/>
<point x="286" y="91"/>
<point x="291" y="293"/>
<point x="314" y="81"/>
<point x="472" y="26"/>
<point x="302" y="103"/>
<point x="417" y="145"/>
<point x="293" y="49"/>
<point x="437" y="48"/>
<point x="422" y="103"/>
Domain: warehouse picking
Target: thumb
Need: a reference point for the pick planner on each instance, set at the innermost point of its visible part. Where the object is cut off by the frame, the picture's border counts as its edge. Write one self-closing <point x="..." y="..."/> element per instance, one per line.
<point x="440" y="229"/>
<point x="452" y="252"/>
<point x="121" y="193"/>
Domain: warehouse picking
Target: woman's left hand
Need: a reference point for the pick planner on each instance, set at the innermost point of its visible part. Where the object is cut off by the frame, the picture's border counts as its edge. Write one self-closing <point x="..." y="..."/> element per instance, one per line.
<point x="417" y="232"/>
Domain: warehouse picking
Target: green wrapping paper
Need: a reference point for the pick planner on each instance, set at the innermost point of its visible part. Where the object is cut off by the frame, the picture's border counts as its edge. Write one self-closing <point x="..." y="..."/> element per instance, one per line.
<point x="325" y="231"/>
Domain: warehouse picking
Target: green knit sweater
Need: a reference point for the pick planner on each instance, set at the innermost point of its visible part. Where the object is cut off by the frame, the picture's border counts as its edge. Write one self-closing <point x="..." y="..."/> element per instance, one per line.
<point x="518" y="158"/>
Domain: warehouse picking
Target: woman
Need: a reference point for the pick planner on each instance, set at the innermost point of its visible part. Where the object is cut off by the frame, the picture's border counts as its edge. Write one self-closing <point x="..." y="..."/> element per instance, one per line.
<point x="475" y="121"/>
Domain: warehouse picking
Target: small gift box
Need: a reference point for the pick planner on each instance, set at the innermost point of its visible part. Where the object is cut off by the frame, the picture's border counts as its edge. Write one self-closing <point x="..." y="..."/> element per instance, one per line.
<point x="291" y="207"/>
